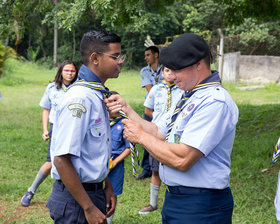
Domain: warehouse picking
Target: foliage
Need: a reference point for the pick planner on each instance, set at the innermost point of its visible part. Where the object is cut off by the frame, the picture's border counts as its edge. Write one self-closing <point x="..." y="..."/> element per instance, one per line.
<point x="5" y="53"/>
<point x="238" y="10"/>
<point x="204" y="16"/>
<point x="29" y="25"/>
<point x="32" y="54"/>
<point x="112" y="13"/>
<point x="252" y="37"/>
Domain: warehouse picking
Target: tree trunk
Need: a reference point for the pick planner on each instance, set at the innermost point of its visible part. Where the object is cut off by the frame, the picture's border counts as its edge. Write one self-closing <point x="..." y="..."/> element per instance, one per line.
<point x="55" y="39"/>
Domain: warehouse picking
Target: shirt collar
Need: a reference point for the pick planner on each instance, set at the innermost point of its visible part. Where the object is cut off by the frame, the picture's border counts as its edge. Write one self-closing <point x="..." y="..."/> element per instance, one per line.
<point x="86" y="74"/>
<point x="214" y="77"/>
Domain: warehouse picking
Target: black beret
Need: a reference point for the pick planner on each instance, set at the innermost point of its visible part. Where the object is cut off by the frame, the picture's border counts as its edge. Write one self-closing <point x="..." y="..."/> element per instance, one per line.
<point x="184" y="51"/>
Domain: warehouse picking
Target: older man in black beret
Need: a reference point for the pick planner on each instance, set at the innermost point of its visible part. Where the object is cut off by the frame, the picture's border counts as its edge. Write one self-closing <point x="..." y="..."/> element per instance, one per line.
<point x="194" y="141"/>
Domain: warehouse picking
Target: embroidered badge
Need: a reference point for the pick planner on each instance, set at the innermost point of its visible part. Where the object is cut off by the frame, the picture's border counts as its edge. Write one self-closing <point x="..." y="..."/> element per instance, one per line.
<point x="190" y="107"/>
<point x="98" y="120"/>
<point x="119" y="127"/>
<point x="177" y="138"/>
<point x="78" y="109"/>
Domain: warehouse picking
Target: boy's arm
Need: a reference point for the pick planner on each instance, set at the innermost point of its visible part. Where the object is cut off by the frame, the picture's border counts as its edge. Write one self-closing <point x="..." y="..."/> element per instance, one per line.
<point x="72" y="182"/>
<point x="149" y="112"/>
<point x="148" y="87"/>
<point x="45" y="121"/>
<point x="121" y="157"/>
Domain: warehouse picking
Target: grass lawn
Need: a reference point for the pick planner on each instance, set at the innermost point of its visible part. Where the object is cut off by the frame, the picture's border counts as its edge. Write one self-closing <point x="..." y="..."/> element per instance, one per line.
<point x="22" y="151"/>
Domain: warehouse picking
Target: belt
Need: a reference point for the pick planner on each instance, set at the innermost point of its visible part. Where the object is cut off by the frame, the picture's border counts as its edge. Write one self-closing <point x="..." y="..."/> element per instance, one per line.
<point x="88" y="186"/>
<point x="193" y="190"/>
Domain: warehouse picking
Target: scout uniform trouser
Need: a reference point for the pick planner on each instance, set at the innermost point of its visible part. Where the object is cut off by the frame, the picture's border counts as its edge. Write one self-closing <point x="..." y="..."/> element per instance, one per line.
<point x="65" y="209"/>
<point x="191" y="205"/>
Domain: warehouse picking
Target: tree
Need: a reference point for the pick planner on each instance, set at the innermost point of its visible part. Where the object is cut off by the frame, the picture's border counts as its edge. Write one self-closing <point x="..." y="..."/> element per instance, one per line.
<point x="112" y="13"/>
<point x="261" y="10"/>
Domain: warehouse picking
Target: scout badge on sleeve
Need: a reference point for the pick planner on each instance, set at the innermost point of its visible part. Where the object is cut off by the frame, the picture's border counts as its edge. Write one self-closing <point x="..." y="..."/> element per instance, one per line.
<point x="276" y="151"/>
<point x="78" y="109"/>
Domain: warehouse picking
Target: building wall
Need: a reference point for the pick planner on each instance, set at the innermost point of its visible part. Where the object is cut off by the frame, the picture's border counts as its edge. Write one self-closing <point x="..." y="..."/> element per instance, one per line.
<point x="238" y="67"/>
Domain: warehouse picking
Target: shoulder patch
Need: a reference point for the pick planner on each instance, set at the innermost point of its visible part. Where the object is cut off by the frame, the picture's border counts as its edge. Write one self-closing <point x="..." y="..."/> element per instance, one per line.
<point x="78" y="109"/>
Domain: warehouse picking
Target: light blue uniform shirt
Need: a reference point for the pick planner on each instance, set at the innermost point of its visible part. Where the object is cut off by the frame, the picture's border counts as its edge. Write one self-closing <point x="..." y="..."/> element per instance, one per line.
<point x="52" y="98"/>
<point x="148" y="76"/>
<point x="157" y="99"/>
<point x="207" y="122"/>
<point x="82" y="129"/>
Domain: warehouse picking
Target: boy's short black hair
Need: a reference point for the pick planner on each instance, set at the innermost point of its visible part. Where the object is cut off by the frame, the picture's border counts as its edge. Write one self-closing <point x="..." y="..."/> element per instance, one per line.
<point x="96" y="41"/>
<point x="153" y="49"/>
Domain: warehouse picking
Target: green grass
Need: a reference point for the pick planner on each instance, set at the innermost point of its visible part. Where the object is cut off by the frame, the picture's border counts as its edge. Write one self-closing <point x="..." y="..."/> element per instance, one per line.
<point x="22" y="151"/>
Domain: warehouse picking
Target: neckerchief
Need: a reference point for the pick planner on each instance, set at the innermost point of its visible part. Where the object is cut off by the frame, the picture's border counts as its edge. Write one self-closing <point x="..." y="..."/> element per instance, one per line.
<point x="157" y="72"/>
<point x="212" y="80"/>
<point x="169" y="88"/>
<point x="64" y="87"/>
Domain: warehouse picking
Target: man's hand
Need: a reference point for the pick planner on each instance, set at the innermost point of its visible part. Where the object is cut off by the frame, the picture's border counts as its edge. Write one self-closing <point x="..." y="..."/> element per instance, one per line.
<point x="132" y="131"/>
<point x="115" y="104"/>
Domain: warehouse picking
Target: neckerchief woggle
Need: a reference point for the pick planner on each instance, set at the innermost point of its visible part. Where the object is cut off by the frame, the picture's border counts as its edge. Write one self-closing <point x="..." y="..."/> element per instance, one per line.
<point x="157" y="72"/>
<point x="212" y="80"/>
<point x="93" y="82"/>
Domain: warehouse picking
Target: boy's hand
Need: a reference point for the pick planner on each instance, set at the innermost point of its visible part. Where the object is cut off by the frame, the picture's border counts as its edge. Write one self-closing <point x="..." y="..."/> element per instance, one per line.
<point x="45" y="135"/>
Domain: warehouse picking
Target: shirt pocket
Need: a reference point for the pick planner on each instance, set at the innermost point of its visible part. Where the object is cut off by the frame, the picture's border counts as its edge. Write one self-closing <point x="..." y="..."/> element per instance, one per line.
<point x="117" y="139"/>
<point x="96" y="141"/>
<point x="98" y="131"/>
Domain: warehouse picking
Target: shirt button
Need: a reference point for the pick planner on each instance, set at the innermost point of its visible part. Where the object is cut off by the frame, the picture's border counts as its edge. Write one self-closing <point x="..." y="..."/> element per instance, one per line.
<point x="99" y="134"/>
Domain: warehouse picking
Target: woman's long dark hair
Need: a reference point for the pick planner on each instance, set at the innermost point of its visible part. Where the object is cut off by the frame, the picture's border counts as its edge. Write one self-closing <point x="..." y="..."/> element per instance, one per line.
<point x="58" y="78"/>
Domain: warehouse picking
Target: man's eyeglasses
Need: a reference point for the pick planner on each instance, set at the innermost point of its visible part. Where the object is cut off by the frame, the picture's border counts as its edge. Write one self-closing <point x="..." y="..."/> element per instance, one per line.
<point x="118" y="58"/>
<point x="67" y="70"/>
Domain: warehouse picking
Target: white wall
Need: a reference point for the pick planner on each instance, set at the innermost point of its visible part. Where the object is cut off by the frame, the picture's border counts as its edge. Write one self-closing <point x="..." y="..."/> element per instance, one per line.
<point x="238" y="67"/>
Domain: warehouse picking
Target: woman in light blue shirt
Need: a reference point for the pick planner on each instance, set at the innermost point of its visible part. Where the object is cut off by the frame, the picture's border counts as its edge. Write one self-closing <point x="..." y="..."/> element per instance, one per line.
<point x="65" y="76"/>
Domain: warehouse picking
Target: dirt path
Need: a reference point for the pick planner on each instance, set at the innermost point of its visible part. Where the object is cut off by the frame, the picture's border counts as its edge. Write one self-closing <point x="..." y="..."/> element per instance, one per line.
<point x="14" y="212"/>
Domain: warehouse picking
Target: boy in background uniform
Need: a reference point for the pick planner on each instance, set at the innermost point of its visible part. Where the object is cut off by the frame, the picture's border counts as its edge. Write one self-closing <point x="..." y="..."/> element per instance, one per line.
<point x="161" y="98"/>
<point x="120" y="150"/>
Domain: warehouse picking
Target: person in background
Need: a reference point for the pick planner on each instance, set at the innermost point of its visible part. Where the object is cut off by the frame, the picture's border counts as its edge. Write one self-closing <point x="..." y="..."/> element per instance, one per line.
<point x="194" y="142"/>
<point x="54" y="93"/>
<point x="161" y="98"/>
<point x="120" y="150"/>
<point x="82" y="144"/>
<point x="150" y="75"/>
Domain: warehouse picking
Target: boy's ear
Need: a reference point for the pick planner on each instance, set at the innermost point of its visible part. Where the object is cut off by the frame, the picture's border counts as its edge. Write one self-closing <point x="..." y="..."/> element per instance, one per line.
<point x="157" y="55"/>
<point x="94" y="58"/>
